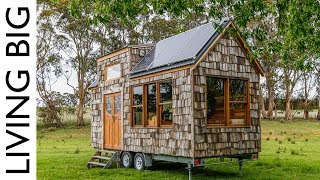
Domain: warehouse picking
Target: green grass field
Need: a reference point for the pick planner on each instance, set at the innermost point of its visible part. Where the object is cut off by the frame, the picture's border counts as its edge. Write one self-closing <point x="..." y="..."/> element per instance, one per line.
<point x="289" y="151"/>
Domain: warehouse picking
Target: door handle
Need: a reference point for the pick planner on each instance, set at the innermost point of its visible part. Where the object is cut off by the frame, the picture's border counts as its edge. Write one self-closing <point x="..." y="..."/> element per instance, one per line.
<point x="113" y="117"/>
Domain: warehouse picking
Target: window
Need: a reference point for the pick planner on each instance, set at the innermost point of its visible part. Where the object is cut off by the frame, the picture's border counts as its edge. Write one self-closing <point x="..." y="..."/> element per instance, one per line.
<point x="165" y="104"/>
<point x="113" y="72"/>
<point x="137" y="105"/>
<point x="215" y="102"/>
<point x="227" y="102"/>
<point x="152" y="104"/>
<point x="238" y="101"/>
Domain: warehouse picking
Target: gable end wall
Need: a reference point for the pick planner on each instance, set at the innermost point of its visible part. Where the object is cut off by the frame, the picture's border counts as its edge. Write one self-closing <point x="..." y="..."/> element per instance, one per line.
<point x="225" y="59"/>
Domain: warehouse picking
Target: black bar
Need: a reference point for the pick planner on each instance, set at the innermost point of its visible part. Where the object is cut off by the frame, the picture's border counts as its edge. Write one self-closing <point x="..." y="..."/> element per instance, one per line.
<point x="17" y="154"/>
<point x="17" y="124"/>
<point x="17" y="34"/>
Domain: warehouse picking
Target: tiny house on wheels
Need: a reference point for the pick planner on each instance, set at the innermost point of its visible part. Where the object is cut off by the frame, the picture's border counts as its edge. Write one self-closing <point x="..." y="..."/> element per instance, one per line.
<point x="187" y="98"/>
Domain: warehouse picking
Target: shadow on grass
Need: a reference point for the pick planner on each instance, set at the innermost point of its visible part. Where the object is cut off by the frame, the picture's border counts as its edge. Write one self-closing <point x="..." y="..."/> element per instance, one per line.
<point x="197" y="173"/>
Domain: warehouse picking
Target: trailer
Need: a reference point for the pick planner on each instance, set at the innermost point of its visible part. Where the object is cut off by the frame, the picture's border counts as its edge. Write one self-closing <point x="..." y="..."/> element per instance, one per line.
<point x="185" y="99"/>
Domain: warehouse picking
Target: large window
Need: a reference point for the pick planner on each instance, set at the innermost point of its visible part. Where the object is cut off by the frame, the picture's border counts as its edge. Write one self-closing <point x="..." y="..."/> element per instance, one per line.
<point x="112" y="72"/>
<point x="152" y="104"/>
<point x="227" y="102"/>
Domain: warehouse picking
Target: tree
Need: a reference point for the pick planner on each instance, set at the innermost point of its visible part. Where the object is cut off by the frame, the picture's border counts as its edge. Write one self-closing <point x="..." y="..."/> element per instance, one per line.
<point x="79" y="35"/>
<point x="48" y="66"/>
<point x="283" y="31"/>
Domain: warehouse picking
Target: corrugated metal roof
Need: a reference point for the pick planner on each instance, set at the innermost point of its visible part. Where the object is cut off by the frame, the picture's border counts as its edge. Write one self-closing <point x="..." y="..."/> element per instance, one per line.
<point x="179" y="49"/>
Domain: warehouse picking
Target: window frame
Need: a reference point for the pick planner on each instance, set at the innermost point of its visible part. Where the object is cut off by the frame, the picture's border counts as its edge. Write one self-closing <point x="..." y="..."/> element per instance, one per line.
<point x="106" y="72"/>
<point x="226" y="81"/>
<point x="135" y="106"/>
<point x="144" y="105"/>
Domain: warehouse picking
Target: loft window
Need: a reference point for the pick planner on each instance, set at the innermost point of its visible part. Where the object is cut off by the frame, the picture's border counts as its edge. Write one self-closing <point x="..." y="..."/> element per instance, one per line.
<point x="113" y="72"/>
<point x="227" y="102"/>
<point x="152" y="104"/>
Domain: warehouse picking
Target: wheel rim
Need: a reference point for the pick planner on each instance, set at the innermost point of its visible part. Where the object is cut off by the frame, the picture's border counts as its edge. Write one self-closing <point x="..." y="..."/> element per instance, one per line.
<point x="125" y="160"/>
<point x="138" y="162"/>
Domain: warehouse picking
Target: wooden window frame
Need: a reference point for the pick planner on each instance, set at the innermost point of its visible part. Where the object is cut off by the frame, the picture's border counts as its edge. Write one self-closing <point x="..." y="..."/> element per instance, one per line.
<point x="134" y="106"/>
<point x="226" y="81"/>
<point x="161" y="104"/>
<point x="144" y="105"/>
<point x="106" y="72"/>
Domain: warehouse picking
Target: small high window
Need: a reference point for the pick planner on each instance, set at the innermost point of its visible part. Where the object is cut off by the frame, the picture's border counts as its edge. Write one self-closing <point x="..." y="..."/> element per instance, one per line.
<point x="113" y="72"/>
<point x="227" y="102"/>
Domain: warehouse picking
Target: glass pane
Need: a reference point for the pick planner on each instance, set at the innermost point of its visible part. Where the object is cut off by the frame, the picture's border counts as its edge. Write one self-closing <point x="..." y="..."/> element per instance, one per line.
<point x="137" y="115"/>
<point x="117" y="104"/>
<point x="215" y="101"/>
<point x="166" y="114"/>
<point x="237" y="113"/>
<point x="113" y="71"/>
<point x="166" y="91"/>
<point x="108" y="105"/>
<point x="137" y="95"/>
<point x="151" y="105"/>
<point x="238" y="90"/>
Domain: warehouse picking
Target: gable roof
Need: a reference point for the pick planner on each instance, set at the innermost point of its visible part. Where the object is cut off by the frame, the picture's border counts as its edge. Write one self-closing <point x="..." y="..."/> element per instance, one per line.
<point x="182" y="49"/>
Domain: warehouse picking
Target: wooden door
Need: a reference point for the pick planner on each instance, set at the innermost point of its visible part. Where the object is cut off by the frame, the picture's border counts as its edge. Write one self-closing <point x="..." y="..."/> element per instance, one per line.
<point x="112" y="121"/>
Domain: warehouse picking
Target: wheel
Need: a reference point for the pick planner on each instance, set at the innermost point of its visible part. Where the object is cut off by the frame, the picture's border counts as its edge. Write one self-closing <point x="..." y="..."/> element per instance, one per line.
<point x="126" y="159"/>
<point x="139" y="163"/>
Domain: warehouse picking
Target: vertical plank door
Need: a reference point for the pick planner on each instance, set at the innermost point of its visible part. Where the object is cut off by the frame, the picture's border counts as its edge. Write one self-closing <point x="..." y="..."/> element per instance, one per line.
<point x="112" y="121"/>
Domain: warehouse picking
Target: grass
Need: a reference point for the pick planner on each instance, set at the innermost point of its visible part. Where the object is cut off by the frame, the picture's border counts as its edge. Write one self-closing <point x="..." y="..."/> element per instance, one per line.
<point x="62" y="154"/>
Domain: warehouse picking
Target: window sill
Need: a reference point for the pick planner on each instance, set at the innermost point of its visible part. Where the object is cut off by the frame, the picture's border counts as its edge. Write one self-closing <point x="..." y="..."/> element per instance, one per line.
<point x="152" y="127"/>
<point x="230" y="126"/>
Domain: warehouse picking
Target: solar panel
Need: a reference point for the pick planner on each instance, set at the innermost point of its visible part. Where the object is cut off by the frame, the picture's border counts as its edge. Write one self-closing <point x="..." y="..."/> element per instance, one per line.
<point x="183" y="46"/>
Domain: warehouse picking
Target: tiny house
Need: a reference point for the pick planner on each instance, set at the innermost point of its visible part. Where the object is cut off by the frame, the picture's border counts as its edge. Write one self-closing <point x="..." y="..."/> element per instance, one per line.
<point x="187" y="98"/>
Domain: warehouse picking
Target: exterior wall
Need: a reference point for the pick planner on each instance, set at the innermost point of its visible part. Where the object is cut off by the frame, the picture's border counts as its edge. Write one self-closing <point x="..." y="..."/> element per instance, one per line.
<point x="225" y="59"/>
<point x="111" y="86"/>
<point x="96" y="124"/>
<point x="170" y="141"/>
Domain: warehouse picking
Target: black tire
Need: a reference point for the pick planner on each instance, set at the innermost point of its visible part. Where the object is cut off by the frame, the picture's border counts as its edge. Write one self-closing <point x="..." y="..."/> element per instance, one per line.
<point x="139" y="163"/>
<point x="126" y="159"/>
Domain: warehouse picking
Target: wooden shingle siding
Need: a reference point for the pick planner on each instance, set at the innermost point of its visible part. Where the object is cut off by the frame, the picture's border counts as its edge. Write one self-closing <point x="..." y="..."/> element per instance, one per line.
<point x="175" y="140"/>
<point x="189" y="135"/>
<point x="111" y="86"/>
<point x="226" y="59"/>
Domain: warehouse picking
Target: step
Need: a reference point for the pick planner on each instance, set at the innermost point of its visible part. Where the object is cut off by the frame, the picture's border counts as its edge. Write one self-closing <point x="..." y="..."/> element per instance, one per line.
<point x="96" y="163"/>
<point x="107" y="151"/>
<point x="101" y="157"/>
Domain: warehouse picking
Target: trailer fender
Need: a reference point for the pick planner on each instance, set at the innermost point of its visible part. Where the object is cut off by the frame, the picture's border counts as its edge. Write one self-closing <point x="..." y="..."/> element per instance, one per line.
<point x="147" y="159"/>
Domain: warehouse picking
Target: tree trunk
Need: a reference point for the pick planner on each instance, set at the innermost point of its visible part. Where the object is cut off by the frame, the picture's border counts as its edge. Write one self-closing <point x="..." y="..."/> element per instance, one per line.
<point x="81" y="93"/>
<point x="80" y="121"/>
<point x="318" y="107"/>
<point x="288" y="115"/>
<point x="318" y="116"/>
<point x="262" y="107"/>
<point x="270" y="88"/>
<point x="305" y="104"/>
